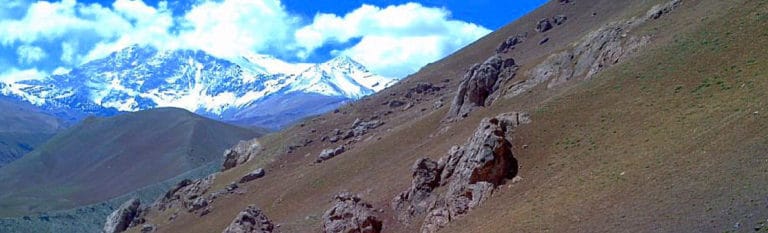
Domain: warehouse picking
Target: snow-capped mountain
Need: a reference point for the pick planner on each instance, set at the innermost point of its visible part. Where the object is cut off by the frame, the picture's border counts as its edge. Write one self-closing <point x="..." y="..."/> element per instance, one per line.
<point x="139" y="78"/>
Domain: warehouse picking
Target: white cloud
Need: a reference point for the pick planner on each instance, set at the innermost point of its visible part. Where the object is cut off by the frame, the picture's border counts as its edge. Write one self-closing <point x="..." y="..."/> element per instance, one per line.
<point x="227" y="28"/>
<point x="14" y="75"/>
<point x="394" y="41"/>
<point x="28" y="54"/>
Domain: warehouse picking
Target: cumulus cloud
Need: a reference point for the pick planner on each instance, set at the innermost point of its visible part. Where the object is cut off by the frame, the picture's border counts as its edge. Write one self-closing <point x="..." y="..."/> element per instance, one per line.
<point x="28" y="54"/>
<point x="14" y="75"/>
<point x="394" y="41"/>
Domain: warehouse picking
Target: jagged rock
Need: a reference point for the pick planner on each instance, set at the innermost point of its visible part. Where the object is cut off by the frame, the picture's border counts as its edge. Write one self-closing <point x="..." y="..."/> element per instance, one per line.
<point x="564" y="1"/>
<point x="416" y="200"/>
<point x="251" y="220"/>
<point x="559" y="19"/>
<point x="240" y="154"/>
<point x="330" y="153"/>
<point x="122" y="217"/>
<point x="510" y="43"/>
<point x="471" y="172"/>
<point x="350" y="214"/>
<point x="255" y="174"/>
<point x="186" y="194"/>
<point x="479" y="85"/>
<point x="148" y="228"/>
<point x="543" y="25"/>
<point x="659" y="10"/>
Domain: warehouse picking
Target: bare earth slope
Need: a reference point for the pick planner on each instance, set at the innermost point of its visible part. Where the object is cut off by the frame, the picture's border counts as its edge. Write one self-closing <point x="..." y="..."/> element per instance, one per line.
<point x="669" y="139"/>
<point x="102" y="158"/>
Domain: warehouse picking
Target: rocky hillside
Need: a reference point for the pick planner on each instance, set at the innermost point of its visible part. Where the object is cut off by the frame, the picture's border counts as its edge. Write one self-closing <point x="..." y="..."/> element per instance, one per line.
<point x="102" y="158"/>
<point x="582" y="116"/>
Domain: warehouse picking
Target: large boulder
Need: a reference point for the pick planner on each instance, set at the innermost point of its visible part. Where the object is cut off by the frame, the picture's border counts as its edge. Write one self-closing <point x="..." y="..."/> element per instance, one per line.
<point x="510" y="43"/>
<point x="416" y="200"/>
<point x="480" y="83"/>
<point x="240" y="153"/>
<point x="350" y="214"/>
<point x="122" y="217"/>
<point x="251" y="220"/>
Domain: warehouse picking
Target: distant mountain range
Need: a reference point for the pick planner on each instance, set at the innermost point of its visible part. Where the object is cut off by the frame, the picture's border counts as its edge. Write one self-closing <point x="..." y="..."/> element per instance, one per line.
<point x="256" y="90"/>
<point x="101" y="158"/>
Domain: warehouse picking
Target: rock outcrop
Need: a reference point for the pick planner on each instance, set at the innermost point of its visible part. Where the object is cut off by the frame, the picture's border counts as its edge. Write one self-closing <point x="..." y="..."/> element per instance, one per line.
<point x="350" y="214"/>
<point x="187" y="194"/>
<point x="470" y="172"/>
<point x="418" y="198"/>
<point x="251" y="220"/>
<point x="662" y="9"/>
<point x="240" y="154"/>
<point x="559" y="19"/>
<point x="122" y="217"/>
<point x="593" y="53"/>
<point x="255" y="174"/>
<point x="480" y="83"/>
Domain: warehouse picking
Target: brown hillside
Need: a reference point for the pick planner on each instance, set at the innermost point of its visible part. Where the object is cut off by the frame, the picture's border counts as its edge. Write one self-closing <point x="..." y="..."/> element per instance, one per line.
<point x="668" y="140"/>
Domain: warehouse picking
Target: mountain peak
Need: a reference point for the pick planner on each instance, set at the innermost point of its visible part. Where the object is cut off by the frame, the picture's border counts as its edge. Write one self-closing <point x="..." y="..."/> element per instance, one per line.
<point x="345" y="62"/>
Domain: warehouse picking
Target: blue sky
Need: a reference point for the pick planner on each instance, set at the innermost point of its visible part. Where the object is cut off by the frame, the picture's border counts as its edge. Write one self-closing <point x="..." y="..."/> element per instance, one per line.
<point x="392" y="38"/>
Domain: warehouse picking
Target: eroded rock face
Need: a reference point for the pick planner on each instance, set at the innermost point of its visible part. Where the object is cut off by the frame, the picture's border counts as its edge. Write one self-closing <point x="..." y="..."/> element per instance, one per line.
<point x="592" y="53"/>
<point x="471" y="172"/>
<point x="240" y="154"/>
<point x="350" y="214"/>
<point x="251" y="220"/>
<point x="480" y="83"/>
<point x="418" y="198"/>
<point x="122" y="217"/>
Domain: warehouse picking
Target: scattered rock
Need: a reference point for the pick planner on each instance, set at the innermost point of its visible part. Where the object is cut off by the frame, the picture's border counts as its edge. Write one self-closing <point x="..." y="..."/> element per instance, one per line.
<point x="251" y="220"/>
<point x="148" y="228"/>
<point x="562" y="2"/>
<point x="240" y="154"/>
<point x="544" y="41"/>
<point x="422" y="88"/>
<point x="479" y="85"/>
<point x="510" y="43"/>
<point x="360" y="128"/>
<point x="438" y="104"/>
<point x="334" y="139"/>
<point x="408" y="106"/>
<point x="559" y="19"/>
<point x="396" y="103"/>
<point x="231" y="187"/>
<point x="543" y="25"/>
<point x="122" y="217"/>
<point x="255" y="174"/>
<point x="350" y="214"/>
<point x="418" y="198"/>
<point x="330" y="153"/>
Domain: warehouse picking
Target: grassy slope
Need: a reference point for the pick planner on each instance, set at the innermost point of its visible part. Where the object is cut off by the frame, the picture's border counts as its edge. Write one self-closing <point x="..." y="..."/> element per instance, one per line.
<point x="23" y="127"/>
<point x="103" y="158"/>
<point x="666" y="142"/>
